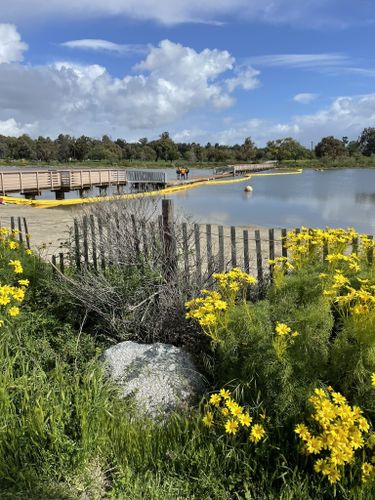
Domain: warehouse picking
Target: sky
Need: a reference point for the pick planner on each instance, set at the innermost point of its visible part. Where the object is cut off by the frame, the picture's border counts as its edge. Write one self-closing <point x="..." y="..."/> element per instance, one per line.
<point x="213" y="70"/>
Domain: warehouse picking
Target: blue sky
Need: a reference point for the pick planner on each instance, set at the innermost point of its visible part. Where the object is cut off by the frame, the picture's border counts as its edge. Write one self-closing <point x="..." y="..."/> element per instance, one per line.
<point x="214" y="71"/>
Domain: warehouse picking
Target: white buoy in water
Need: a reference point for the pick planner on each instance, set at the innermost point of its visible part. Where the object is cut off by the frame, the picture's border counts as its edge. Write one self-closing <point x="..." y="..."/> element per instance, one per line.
<point x="248" y="189"/>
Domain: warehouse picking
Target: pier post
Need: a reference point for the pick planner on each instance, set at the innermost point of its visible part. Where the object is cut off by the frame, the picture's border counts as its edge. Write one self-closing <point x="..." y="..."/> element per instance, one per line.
<point x="59" y="195"/>
<point x="83" y="193"/>
<point x="102" y="190"/>
<point x="31" y="195"/>
<point x="120" y="189"/>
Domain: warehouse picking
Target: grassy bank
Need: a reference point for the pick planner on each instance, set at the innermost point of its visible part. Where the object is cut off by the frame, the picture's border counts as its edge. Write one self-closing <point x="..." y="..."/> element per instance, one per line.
<point x="289" y="409"/>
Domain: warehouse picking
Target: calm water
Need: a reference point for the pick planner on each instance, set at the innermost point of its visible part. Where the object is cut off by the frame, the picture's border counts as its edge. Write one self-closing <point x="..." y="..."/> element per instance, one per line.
<point x="336" y="198"/>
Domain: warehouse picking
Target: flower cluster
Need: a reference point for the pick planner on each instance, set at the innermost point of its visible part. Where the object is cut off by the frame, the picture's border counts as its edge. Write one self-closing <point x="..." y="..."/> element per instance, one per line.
<point x="284" y="337"/>
<point x="232" y="282"/>
<point x="340" y="431"/>
<point x="210" y="309"/>
<point x="223" y="412"/>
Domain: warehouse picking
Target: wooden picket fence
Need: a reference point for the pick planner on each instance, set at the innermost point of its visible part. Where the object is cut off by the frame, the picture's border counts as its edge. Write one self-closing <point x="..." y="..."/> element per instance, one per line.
<point x="197" y="249"/>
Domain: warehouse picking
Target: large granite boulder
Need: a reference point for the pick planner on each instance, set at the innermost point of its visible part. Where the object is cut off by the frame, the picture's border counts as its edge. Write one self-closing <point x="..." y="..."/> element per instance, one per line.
<point x="161" y="377"/>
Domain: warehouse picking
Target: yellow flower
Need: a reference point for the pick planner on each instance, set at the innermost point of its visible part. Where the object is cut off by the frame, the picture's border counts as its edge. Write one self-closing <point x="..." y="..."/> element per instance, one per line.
<point x="257" y="432"/>
<point x="338" y="398"/>
<point x="215" y="399"/>
<point x="12" y="245"/>
<point x="245" y="419"/>
<point x="208" y="419"/>
<point x="282" y="329"/>
<point x="24" y="282"/>
<point x="29" y="252"/>
<point x="17" y="266"/>
<point x="224" y="394"/>
<point x="1" y="323"/>
<point x="14" y="311"/>
<point x="373" y="379"/>
<point x="231" y="426"/>
<point x="225" y="412"/>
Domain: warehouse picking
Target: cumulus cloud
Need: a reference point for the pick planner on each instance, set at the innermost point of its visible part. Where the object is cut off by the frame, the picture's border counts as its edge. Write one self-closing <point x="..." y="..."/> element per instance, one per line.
<point x="346" y="116"/>
<point x="11" y="45"/>
<point x="305" y="97"/>
<point x="172" y="12"/>
<point x="105" y="46"/>
<point x="12" y="128"/>
<point x="171" y="82"/>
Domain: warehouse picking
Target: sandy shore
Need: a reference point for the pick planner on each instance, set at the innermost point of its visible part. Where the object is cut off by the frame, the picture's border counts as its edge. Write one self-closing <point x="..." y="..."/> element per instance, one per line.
<point x="49" y="228"/>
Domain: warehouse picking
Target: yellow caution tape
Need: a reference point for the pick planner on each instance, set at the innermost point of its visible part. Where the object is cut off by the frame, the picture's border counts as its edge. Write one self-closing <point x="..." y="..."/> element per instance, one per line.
<point x="131" y="196"/>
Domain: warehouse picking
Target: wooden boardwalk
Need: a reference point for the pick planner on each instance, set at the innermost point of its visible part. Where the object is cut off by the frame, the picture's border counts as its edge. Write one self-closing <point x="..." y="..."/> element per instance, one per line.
<point x="244" y="169"/>
<point x="32" y="182"/>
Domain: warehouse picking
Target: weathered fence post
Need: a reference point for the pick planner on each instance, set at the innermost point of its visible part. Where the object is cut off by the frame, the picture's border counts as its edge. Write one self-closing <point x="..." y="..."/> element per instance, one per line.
<point x="170" y="250"/>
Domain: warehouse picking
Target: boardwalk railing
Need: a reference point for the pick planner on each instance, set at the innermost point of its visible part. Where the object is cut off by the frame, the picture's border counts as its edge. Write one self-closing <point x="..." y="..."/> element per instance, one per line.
<point x="35" y="181"/>
<point x="138" y="176"/>
<point x="243" y="169"/>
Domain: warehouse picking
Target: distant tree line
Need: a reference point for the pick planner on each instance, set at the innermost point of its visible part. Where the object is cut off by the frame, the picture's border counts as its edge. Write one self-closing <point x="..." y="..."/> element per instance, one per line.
<point x="67" y="148"/>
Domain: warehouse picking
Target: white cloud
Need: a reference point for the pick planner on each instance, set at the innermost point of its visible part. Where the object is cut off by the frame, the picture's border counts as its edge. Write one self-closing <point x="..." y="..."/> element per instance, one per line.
<point x="105" y="46"/>
<point x="300" y="60"/>
<point x="246" y="78"/>
<point x="315" y="12"/>
<point x="305" y="97"/>
<point x="12" y="128"/>
<point x="170" y="83"/>
<point x="346" y="116"/>
<point x="11" y="45"/>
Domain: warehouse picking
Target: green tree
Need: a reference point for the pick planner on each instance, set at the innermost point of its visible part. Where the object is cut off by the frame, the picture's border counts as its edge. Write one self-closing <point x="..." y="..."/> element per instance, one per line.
<point x="286" y="149"/>
<point x="330" y="147"/>
<point x="165" y="148"/>
<point x="366" y="141"/>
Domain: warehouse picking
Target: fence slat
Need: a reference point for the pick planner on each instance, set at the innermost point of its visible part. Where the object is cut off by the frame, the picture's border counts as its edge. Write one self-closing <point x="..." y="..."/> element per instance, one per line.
<point x="185" y="251"/>
<point x="210" y="264"/>
<point x="61" y="263"/>
<point x="77" y="249"/>
<point x="355" y="245"/>
<point x="198" y="261"/>
<point x="27" y="235"/>
<point x="271" y="241"/>
<point x="169" y="237"/>
<point x="53" y="259"/>
<point x="284" y="250"/>
<point x="12" y="224"/>
<point x="221" y="248"/>
<point x="370" y="251"/>
<point x="258" y="249"/>
<point x="144" y="239"/>
<point x="85" y="240"/>
<point x="136" y="236"/>
<point x="246" y="257"/>
<point x="93" y="242"/>
<point x="20" y="236"/>
<point x="233" y="246"/>
<point x="101" y="243"/>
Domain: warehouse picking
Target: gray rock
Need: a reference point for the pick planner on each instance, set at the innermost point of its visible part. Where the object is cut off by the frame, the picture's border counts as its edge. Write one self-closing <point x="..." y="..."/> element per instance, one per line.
<point x="161" y="377"/>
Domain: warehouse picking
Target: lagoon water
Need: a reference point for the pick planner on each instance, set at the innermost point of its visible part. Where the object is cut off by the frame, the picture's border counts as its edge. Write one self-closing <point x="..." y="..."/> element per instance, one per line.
<point x="335" y="198"/>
